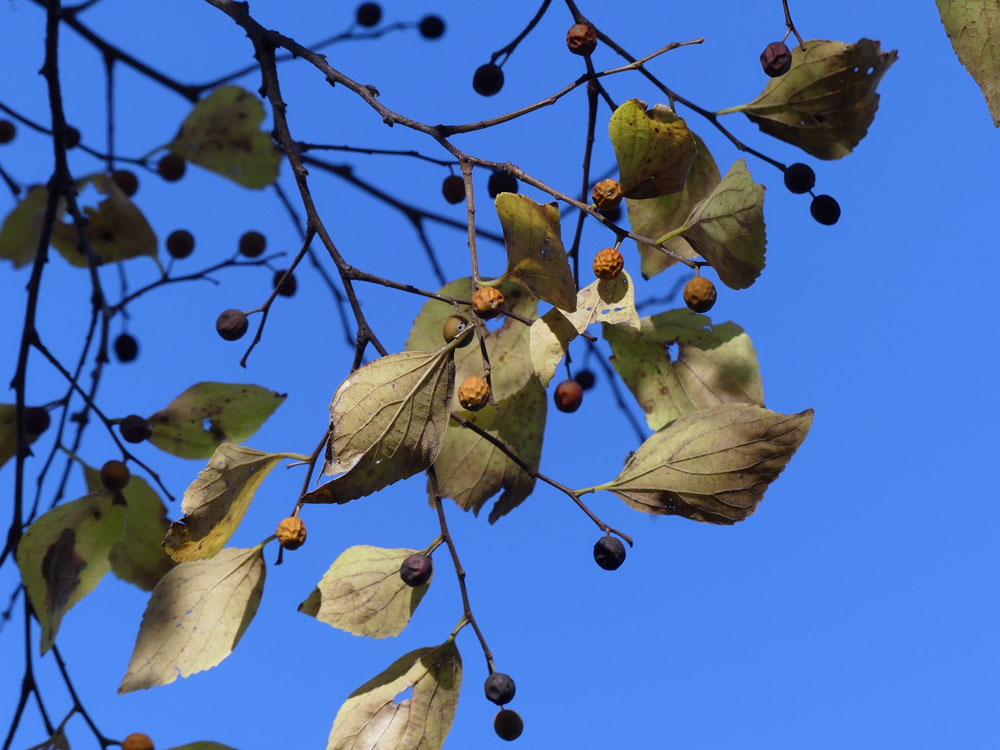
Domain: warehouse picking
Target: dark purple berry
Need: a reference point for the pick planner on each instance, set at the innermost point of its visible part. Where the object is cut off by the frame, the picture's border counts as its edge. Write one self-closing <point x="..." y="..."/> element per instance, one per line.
<point x="416" y="570"/>
<point x="453" y="188"/>
<point x="232" y="324"/>
<point x="286" y="287"/>
<point x="7" y="131"/>
<point x="501" y="182"/>
<point x="71" y="137"/>
<point x="776" y="59"/>
<point x="431" y="27"/>
<point x="127" y="182"/>
<point x="499" y="688"/>
<point x="585" y="378"/>
<point x="126" y="347"/>
<point x="180" y="243"/>
<point x="36" y="420"/>
<point x="252" y="244"/>
<point x="171" y="167"/>
<point x="800" y="178"/>
<point x="134" y="429"/>
<point x="508" y="725"/>
<point x="369" y="14"/>
<point x="488" y="79"/>
<point x="609" y="552"/>
<point x="825" y="209"/>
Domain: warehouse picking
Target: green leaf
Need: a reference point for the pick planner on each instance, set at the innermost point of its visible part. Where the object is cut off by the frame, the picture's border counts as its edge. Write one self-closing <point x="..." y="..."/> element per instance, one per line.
<point x="654" y="149"/>
<point x="207" y="414"/>
<point x="197" y="614"/>
<point x="22" y="228"/>
<point x="215" y="502"/>
<point x="536" y="258"/>
<point x="974" y="29"/>
<point x="363" y="593"/>
<point x="388" y="420"/>
<point x="203" y="745"/>
<point x="827" y="101"/>
<point x="656" y="217"/>
<point x="64" y="555"/>
<point x="714" y="365"/>
<point x="611" y="302"/>
<point x="8" y="433"/>
<point x="223" y="134"/>
<point x="711" y="465"/>
<point x="372" y="718"/>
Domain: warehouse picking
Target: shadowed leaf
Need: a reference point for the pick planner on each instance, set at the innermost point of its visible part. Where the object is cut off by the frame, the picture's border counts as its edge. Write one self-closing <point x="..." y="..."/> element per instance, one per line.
<point x="654" y="149"/>
<point x="22" y="227"/>
<point x="974" y="29"/>
<point x="8" y="433"/>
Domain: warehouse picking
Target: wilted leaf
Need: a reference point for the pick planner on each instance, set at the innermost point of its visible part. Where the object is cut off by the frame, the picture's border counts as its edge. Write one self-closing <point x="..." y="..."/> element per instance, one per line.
<point x="223" y="134"/>
<point x="22" y="228"/>
<point x="363" y="593"/>
<point x="974" y="29"/>
<point x="654" y="149"/>
<point x="215" y="502"/>
<point x="611" y="302"/>
<point x="714" y="365"/>
<point x="711" y="465"/>
<point x="8" y="433"/>
<point x="207" y="414"/>
<point x="387" y="420"/>
<point x="64" y="555"/>
<point x="827" y="101"/>
<point x="536" y="258"/>
<point x="195" y="617"/>
<point x="371" y="717"/>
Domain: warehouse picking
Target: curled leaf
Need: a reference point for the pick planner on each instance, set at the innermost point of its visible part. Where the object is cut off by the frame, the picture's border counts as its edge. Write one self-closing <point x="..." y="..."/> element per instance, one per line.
<point x="654" y="149"/>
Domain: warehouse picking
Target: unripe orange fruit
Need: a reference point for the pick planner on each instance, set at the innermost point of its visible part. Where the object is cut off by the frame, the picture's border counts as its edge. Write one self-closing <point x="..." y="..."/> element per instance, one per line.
<point x="456" y="326"/>
<point x="699" y="294"/>
<point x="137" y="741"/>
<point x="291" y="533"/>
<point x="608" y="263"/>
<point x="487" y="301"/>
<point x="474" y="393"/>
<point x="607" y="194"/>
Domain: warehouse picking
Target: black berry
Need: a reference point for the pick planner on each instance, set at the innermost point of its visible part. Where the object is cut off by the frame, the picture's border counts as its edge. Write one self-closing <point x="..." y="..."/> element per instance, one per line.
<point x="232" y="324"/>
<point x="825" y="209"/>
<point x="776" y="59"/>
<point x="36" y="420"/>
<point x="800" y="178"/>
<point x="488" y="79"/>
<point x="613" y="214"/>
<point x="71" y="137"/>
<point x="180" y="243"/>
<point x="453" y="189"/>
<point x="431" y="27"/>
<point x="286" y="287"/>
<point x="252" y="244"/>
<point x="7" y="131"/>
<point x="134" y="429"/>
<point x="609" y="552"/>
<point x="369" y="14"/>
<point x="585" y="378"/>
<point x="126" y="347"/>
<point x="508" y="725"/>
<point x="115" y="475"/>
<point x="126" y="181"/>
<point x="499" y="688"/>
<point x="501" y="182"/>
<point x="416" y="570"/>
<point x="171" y="167"/>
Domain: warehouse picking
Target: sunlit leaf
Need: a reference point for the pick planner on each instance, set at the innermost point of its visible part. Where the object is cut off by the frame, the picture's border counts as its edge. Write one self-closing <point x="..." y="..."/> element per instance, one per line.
<point x="22" y="227"/>
<point x="195" y="617"/>
<point x="375" y="717"/>
<point x="8" y="433"/>
<point x="974" y="29"/>
<point x="654" y="149"/>
<point x="363" y="593"/>
<point x="223" y="134"/>
<point x="207" y="414"/>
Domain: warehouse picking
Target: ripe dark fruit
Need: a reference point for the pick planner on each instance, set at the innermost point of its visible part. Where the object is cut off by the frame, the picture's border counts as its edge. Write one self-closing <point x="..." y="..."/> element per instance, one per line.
<point x="115" y="475"/>
<point x="825" y="209"/>
<point x="799" y="178"/>
<point x="126" y="347"/>
<point x="368" y="14"/>
<point x="613" y="214"/>
<point x="71" y="137"/>
<point x="137" y="741"/>
<point x="134" y="429"/>
<point x="499" y="688"/>
<point x="501" y="182"/>
<point x="231" y="324"/>
<point x="508" y="725"/>
<point x="252" y="244"/>
<point x="287" y="287"/>
<point x="581" y="39"/>
<point x="127" y="182"/>
<point x="171" y="167"/>
<point x="488" y="79"/>
<point x="776" y="59"/>
<point x="291" y="533"/>
<point x="568" y="396"/>
<point x="585" y="378"/>
<point x="456" y="326"/>
<point x="431" y="27"/>
<point x="453" y="189"/>
<point x="609" y="552"/>
<point x="7" y="131"/>
<point x="36" y="420"/>
<point x="700" y="294"/>
<point x="416" y="570"/>
<point x="180" y="243"/>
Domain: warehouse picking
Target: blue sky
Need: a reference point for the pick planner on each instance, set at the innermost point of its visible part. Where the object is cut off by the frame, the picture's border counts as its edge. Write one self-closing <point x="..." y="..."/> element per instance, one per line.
<point x="855" y="609"/>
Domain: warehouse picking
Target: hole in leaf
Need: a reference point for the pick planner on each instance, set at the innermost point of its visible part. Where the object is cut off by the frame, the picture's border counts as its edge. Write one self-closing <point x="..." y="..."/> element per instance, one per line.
<point x="404" y="695"/>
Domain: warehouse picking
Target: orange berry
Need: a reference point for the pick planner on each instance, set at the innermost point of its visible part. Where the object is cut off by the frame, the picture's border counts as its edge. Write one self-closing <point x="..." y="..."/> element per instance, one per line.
<point x="607" y="194"/>
<point x="487" y="301"/>
<point x="137" y="741"/>
<point x="474" y="393"/>
<point x="608" y="263"/>
<point x="699" y="294"/>
<point x="291" y="533"/>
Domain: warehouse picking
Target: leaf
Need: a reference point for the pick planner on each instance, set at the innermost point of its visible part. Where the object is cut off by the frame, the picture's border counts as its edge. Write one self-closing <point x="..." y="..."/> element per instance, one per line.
<point x="827" y="101"/>
<point x="727" y="228"/>
<point x="387" y="421"/>
<point x="714" y="365"/>
<point x="974" y="29"/>
<point x="22" y="228"/>
<point x="363" y="593"/>
<point x="222" y="134"/>
<point x="215" y="502"/>
<point x="372" y="719"/>
<point x="711" y="465"/>
<point x="8" y="433"/>
<point x="207" y="414"/>
<point x="64" y="555"/>
<point x="611" y="302"/>
<point x="536" y="258"/>
<point x="655" y="217"/>
<point x="654" y="149"/>
<point x="197" y="614"/>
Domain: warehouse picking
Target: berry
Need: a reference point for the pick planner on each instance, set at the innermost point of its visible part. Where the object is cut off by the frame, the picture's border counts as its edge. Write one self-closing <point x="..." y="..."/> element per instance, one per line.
<point x="607" y="194"/>
<point x="499" y="688"/>
<point x="700" y="294"/>
<point x="252" y="244"/>
<point x="7" y="131"/>
<point x="776" y="59"/>
<point x="286" y="287"/>
<point x="501" y="182"/>
<point x="613" y="214"/>
<point x="171" y="167"/>
<point x="137" y="741"/>
<point x="416" y="569"/>
<point x="568" y="396"/>
<point x="456" y="326"/>
<point x="291" y="533"/>
<point x="126" y="181"/>
<point x="799" y="178"/>
<point x="126" y="347"/>
<point x="115" y="475"/>
<point x="71" y="137"/>
<point x="134" y="429"/>
<point x="431" y="27"/>
<point x="609" y="552"/>
<point x="488" y="79"/>
<point x="581" y="38"/>
<point x="180" y="243"/>
<point x="453" y="189"/>
<point x="232" y="324"/>
<point x="368" y="14"/>
<point x="825" y="209"/>
<point x="474" y="393"/>
<point x="36" y="420"/>
<point x="585" y="378"/>
<point x="508" y="725"/>
<point x="608" y="263"/>
<point x="487" y="302"/>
